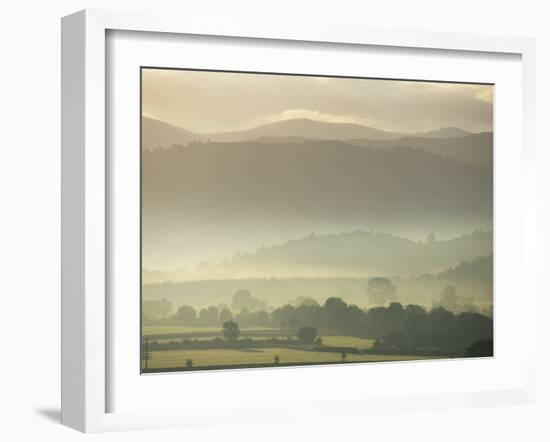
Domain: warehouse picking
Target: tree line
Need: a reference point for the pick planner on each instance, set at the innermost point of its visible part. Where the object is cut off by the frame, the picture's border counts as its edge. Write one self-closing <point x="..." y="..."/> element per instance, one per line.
<point x="394" y="327"/>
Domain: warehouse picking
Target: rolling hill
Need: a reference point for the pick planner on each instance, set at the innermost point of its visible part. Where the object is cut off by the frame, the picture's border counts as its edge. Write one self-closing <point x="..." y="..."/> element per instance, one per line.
<point x="476" y="149"/>
<point x="358" y="254"/>
<point x="160" y="134"/>
<point x="444" y="132"/>
<point x="474" y="284"/>
<point x="306" y="128"/>
<point x="315" y="180"/>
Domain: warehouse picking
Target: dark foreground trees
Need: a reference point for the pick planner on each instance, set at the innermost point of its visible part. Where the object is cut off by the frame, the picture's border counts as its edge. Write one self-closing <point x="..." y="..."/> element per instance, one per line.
<point x="437" y="332"/>
<point x="381" y="290"/>
<point x="479" y="349"/>
<point x="396" y="328"/>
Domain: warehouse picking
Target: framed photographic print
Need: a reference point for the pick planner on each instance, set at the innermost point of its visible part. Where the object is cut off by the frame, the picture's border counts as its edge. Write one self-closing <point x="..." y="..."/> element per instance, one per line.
<point x="254" y="213"/>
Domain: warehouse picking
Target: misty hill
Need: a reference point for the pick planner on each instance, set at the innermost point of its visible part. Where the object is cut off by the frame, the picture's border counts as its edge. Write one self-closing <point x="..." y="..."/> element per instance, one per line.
<point x="474" y="149"/>
<point x="319" y="180"/>
<point x="478" y="269"/>
<point x="296" y="140"/>
<point x="471" y="281"/>
<point x="275" y="292"/>
<point x="362" y="253"/>
<point x="444" y="132"/>
<point x="306" y="128"/>
<point x="156" y="133"/>
<point x="160" y="134"/>
<point x="322" y="130"/>
<point x="473" y="285"/>
<point x="154" y="276"/>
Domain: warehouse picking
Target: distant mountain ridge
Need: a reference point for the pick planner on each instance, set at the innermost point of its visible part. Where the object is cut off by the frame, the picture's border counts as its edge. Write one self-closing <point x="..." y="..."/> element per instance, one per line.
<point x="362" y="253"/>
<point x="156" y="133"/>
<point x="472" y="277"/>
<point x="444" y="132"/>
<point x="355" y="254"/>
<point x="476" y="149"/>
<point x="478" y="269"/>
<point x="306" y="128"/>
<point x="322" y="180"/>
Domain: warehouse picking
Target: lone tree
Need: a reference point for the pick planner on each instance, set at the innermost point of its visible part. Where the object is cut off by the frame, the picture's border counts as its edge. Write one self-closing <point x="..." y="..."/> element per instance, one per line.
<point x="344" y="356"/>
<point x="189" y="363"/>
<point x="231" y="330"/>
<point x="380" y="290"/>
<point x="307" y="334"/>
<point x="276" y="360"/>
<point x="186" y="314"/>
<point x="449" y="300"/>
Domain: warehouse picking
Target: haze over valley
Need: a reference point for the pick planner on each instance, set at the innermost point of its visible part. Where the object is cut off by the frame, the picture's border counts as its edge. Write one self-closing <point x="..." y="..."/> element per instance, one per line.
<point x="291" y="203"/>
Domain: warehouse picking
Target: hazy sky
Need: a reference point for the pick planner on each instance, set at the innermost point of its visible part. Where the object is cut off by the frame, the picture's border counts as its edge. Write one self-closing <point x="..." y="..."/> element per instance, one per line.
<point x="206" y="102"/>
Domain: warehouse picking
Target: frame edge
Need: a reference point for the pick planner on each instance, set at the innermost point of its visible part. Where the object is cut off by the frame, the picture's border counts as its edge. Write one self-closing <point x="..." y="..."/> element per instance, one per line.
<point x="83" y="374"/>
<point x="73" y="80"/>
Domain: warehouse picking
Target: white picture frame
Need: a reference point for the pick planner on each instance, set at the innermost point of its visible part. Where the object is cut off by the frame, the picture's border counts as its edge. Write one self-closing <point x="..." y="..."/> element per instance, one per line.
<point x="86" y="205"/>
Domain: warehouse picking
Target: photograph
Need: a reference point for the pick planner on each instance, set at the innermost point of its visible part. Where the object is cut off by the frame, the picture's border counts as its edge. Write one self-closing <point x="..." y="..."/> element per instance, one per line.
<point x="302" y="220"/>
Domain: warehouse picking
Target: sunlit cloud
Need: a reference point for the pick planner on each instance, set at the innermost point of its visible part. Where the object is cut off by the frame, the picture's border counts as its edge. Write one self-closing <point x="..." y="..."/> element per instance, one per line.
<point x="316" y="115"/>
<point x="210" y="102"/>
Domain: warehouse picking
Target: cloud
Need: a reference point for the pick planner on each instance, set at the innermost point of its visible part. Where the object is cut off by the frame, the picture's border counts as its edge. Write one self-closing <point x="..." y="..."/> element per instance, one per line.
<point x="208" y="102"/>
<point x="310" y="114"/>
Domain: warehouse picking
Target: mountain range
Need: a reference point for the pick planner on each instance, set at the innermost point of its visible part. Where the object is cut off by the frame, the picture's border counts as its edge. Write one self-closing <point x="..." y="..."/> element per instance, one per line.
<point x="156" y="133"/>
<point x="329" y="181"/>
<point x="213" y="194"/>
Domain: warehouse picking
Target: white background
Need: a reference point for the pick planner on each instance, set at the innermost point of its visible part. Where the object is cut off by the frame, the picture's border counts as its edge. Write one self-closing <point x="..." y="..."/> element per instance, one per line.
<point x="30" y="221"/>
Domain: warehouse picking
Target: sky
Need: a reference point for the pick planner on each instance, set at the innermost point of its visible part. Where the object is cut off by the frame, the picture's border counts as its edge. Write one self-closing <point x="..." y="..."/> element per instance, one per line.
<point x="210" y="102"/>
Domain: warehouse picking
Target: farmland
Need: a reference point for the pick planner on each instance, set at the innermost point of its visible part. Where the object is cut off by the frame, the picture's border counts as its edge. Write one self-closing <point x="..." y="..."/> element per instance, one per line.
<point x="335" y="332"/>
<point x="219" y="358"/>
<point x="255" y="348"/>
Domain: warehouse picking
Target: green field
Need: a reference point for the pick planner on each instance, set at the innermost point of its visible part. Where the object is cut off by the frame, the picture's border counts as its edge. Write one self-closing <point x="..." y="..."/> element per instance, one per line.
<point x="184" y="329"/>
<point x="163" y="333"/>
<point x="329" y="340"/>
<point x="256" y="354"/>
<point x="222" y="357"/>
<point x="186" y="332"/>
<point x="347" y="341"/>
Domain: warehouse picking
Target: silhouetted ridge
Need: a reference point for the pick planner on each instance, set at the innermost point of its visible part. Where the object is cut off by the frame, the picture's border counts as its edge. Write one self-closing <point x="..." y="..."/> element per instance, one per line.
<point x="321" y="180"/>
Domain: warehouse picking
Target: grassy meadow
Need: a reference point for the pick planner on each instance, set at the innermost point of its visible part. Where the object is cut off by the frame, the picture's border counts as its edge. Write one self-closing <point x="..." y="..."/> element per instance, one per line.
<point x="255" y="348"/>
<point x="221" y="358"/>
